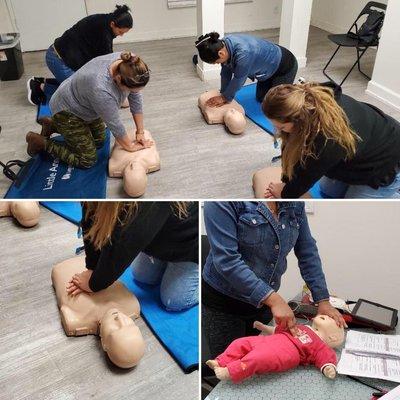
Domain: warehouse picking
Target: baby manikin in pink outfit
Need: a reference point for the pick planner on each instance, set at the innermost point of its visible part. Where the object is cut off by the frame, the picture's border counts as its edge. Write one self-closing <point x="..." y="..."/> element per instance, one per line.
<point x="281" y="351"/>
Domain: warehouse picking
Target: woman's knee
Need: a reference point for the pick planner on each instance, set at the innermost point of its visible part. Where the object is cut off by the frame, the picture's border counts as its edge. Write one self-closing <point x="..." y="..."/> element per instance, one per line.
<point x="175" y="301"/>
<point x="147" y="269"/>
<point x="88" y="160"/>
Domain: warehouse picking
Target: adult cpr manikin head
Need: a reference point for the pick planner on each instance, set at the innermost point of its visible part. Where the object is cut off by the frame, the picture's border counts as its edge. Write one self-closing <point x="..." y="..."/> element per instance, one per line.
<point x="234" y="121"/>
<point x="27" y="213"/>
<point x="326" y="328"/>
<point x="121" y="339"/>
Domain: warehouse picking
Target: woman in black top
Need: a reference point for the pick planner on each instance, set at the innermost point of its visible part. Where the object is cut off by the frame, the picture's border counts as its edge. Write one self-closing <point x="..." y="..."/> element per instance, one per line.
<point x="160" y="238"/>
<point x="353" y="146"/>
<point x="90" y="37"/>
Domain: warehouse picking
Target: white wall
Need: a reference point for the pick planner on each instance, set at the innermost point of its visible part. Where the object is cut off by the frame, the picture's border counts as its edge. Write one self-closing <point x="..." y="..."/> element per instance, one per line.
<point x="338" y="15"/>
<point x="42" y="20"/>
<point x="5" y="18"/>
<point x="385" y="82"/>
<point x="359" y="246"/>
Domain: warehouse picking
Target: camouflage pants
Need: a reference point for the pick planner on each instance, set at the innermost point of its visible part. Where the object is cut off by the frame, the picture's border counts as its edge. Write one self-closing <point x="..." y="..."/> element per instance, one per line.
<point x="81" y="140"/>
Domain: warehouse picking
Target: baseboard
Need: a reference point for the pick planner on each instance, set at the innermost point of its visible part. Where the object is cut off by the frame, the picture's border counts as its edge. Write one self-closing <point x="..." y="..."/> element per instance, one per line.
<point x="327" y="26"/>
<point x="169" y="33"/>
<point x="384" y="94"/>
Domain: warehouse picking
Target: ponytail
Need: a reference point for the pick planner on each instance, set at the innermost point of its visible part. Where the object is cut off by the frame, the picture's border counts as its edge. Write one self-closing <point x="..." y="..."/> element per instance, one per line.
<point x="208" y="47"/>
<point x="133" y="71"/>
<point x="313" y="110"/>
<point x="121" y="17"/>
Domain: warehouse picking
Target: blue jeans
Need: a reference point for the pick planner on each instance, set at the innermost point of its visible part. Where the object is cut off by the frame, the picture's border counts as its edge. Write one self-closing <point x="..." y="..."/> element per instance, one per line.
<point x="179" y="281"/>
<point x="57" y="66"/>
<point x="339" y="190"/>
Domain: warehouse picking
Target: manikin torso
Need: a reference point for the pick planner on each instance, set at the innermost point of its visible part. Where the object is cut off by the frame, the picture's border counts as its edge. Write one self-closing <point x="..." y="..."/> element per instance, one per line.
<point x="108" y="312"/>
<point x="231" y="114"/>
<point x="134" y="167"/>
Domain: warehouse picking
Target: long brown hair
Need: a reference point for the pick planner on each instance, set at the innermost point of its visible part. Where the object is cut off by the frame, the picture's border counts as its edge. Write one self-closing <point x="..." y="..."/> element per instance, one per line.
<point x="106" y="214"/>
<point x="133" y="71"/>
<point x="313" y="110"/>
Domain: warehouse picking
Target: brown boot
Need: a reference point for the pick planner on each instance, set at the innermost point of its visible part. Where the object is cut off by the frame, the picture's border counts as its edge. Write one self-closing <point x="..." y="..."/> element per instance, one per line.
<point x="47" y="126"/>
<point x="36" y="143"/>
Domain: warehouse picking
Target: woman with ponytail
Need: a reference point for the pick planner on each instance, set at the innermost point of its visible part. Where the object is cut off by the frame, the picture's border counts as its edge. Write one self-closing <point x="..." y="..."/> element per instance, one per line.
<point x="244" y="56"/>
<point x="353" y="146"/>
<point x="84" y="104"/>
<point x="90" y="37"/>
<point x="159" y="239"/>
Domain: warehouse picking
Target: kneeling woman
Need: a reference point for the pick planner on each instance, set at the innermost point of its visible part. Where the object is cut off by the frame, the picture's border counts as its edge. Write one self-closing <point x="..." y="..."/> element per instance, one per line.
<point x="245" y="56"/>
<point x="160" y="238"/>
<point x="353" y="146"/>
<point x="88" y="101"/>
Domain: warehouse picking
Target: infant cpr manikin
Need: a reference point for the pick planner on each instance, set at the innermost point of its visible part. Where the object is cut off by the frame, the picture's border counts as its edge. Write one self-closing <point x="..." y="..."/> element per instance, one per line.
<point x="134" y="167"/>
<point x="108" y="312"/>
<point x="27" y="213"/>
<point x="231" y="114"/>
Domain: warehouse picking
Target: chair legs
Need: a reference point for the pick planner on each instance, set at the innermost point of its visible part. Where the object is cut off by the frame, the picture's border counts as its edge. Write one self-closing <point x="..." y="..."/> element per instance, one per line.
<point x="360" y="53"/>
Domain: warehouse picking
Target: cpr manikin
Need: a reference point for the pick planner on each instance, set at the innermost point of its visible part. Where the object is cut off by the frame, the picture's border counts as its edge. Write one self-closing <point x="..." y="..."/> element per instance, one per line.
<point x="134" y="167"/>
<point x="231" y="114"/>
<point x="27" y="213"/>
<point x="278" y="351"/>
<point x="108" y="312"/>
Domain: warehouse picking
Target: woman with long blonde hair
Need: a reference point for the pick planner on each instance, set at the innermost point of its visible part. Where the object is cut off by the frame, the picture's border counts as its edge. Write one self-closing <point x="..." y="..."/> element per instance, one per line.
<point x="353" y="146"/>
<point x="159" y="239"/>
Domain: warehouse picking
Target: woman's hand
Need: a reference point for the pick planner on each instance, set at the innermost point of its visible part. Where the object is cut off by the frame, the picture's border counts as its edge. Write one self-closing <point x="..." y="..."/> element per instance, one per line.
<point x="146" y="143"/>
<point x="80" y="283"/>
<point x="216" y="101"/>
<point x="325" y="308"/>
<point x="126" y="143"/>
<point x="283" y="314"/>
<point x="274" y="190"/>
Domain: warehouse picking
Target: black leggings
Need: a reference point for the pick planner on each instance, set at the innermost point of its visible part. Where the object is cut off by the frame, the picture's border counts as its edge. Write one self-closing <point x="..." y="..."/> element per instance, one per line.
<point x="219" y="329"/>
<point x="286" y="73"/>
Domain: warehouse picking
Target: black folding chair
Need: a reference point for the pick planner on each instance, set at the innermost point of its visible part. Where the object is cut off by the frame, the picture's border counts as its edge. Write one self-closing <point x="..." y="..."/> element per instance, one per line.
<point x="351" y="39"/>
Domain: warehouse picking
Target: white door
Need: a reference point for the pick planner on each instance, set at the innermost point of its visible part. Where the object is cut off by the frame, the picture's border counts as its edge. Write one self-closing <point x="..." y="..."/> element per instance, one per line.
<point x="41" y="21"/>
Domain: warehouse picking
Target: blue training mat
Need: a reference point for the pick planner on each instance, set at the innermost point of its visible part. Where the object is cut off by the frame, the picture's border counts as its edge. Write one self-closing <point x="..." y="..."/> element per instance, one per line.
<point x="177" y="331"/>
<point x="47" y="178"/>
<point x="44" y="109"/>
<point x="70" y="210"/>
<point x="246" y="97"/>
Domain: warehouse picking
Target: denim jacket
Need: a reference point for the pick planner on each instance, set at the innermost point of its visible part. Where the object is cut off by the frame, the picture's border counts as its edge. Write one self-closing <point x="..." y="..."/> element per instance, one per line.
<point x="250" y="57"/>
<point x="248" y="249"/>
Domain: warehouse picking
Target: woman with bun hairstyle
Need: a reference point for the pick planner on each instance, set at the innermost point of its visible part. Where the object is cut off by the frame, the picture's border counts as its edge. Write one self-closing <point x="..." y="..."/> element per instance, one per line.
<point x="353" y="146"/>
<point x="88" y="101"/>
<point x="245" y="56"/>
<point x="90" y="37"/>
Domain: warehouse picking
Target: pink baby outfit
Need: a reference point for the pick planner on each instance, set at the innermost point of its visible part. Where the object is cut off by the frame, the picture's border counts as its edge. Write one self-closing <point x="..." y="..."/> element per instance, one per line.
<point x="279" y="352"/>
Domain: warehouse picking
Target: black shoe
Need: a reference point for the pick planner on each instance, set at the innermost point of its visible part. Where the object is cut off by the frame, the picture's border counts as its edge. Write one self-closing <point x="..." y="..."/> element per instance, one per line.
<point x="38" y="79"/>
<point x="36" y="95"/>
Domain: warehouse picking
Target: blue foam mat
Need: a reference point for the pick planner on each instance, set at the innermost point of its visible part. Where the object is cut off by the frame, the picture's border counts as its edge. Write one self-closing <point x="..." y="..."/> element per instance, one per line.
<point x="246" y="97"/>
<point x="47" y="178"/>
<point x="44" y="109"/>
<point x="177" y="331"/>
<point x="70" y="210"/>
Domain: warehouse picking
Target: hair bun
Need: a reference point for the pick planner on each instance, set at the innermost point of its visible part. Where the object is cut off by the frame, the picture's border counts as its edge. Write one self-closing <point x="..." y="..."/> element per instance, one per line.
<point x="121" y="9"/>
<point x="214" y="36"/>
<point x="126" y="56"/>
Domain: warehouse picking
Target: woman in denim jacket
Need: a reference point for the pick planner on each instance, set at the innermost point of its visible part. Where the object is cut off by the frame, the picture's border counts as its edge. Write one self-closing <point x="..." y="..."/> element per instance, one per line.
<point x="249" y="244"/>
<point x="244" y="56"/>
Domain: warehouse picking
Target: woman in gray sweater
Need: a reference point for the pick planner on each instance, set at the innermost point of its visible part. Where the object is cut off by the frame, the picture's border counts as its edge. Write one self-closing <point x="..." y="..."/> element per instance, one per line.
<point x="88" y="101"/>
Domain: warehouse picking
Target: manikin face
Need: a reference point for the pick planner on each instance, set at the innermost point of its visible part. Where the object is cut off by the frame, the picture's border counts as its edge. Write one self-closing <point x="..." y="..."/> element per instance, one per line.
<point x="121" y="339"/>
<point x="286" y="127"/>
<point x="327" y="329"/>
